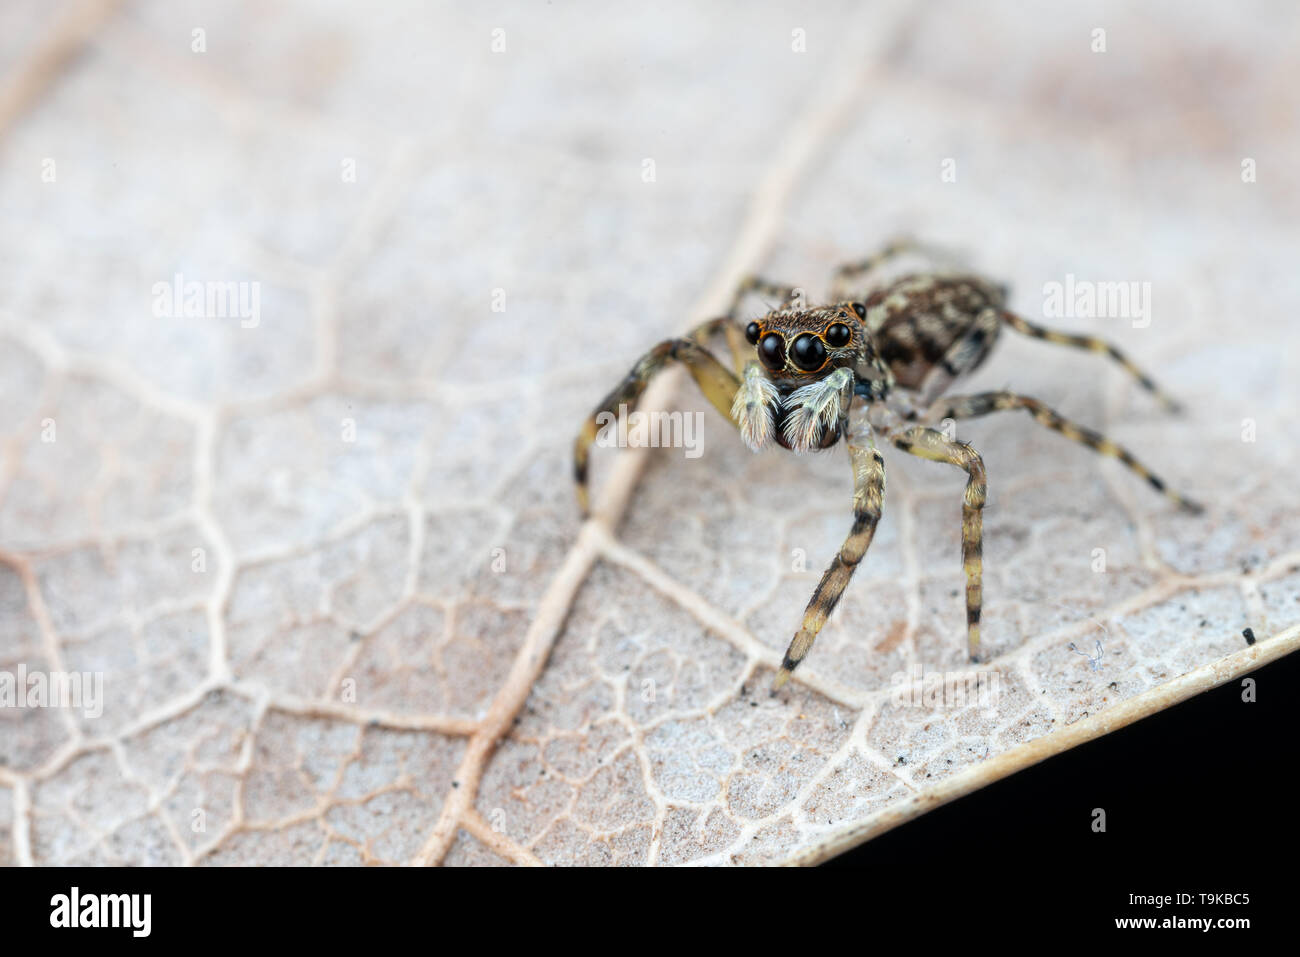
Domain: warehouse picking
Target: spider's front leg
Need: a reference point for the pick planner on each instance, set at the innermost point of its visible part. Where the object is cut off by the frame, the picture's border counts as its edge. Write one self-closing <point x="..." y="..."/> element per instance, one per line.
<point x="718" y="384"/>
<point x="868" y="496"/>
<point x="730" y="324"/>
<point x="931" y="444"/>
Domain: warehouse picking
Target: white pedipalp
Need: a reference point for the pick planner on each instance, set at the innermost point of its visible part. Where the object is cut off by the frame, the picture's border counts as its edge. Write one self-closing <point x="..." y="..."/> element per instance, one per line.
<point x="755" y="406"/>
<point x="815" y="408"/>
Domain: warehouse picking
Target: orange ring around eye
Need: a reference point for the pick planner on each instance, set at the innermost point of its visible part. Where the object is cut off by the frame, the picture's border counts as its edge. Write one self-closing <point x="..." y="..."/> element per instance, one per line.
<point x="808" y="352"/>
<point x="848" y="334"/>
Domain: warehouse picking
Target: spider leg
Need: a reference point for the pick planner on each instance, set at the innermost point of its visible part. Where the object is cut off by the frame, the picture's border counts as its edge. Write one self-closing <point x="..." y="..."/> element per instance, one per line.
<point x="961" y="357"/>
<point x="1092" y="344"/>
<point x="868" y="495"/>
<point x="736" y="344"/>
<point x="764" y="287"/>
<point x="931" y="444"/>
<point x="729" y="325"/>
<point x="718" y="384"/>
<point x="970" y="406"/>
<point x="846" y="273"/>
<point x="741" y="350"/>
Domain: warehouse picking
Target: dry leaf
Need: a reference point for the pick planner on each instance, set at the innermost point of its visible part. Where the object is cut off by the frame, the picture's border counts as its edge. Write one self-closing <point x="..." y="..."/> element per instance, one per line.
<point x="323" y="549"/>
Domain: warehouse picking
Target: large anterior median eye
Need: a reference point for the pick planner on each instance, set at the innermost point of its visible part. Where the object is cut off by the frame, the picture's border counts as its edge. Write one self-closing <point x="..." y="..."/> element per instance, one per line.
<point x="808" y="352"/>
<point x="772" y="351"/>
<point x="838" y="335"/>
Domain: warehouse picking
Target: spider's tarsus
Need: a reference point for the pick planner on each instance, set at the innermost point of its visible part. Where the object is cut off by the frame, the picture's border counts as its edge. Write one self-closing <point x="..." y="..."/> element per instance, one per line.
<point x="782" y="676"/>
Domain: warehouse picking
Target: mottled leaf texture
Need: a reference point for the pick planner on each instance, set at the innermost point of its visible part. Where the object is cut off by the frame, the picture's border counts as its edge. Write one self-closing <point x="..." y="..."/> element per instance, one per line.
<point x="324" y="551"/>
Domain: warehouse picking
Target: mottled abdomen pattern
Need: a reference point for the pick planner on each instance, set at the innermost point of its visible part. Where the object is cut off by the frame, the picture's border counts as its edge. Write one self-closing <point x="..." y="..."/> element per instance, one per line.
<point x="928" y="321"/>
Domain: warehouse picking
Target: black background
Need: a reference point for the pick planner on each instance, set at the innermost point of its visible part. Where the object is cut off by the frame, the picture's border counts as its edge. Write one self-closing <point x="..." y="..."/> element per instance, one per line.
<point x="1198" y="798"/>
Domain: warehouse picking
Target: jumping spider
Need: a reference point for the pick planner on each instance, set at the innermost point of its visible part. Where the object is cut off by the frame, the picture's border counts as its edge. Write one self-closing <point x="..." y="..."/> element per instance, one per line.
<point x="897" y="350"/>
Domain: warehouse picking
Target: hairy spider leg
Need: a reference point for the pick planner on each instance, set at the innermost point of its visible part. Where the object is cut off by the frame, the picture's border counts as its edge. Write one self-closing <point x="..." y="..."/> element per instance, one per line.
<point x="741" y="350"/>
<point x="732" y="334"/>
<point x="783" y="292"/>
<point x="848" y="272"/>
<point x="970" y="406"/>
<point x="961" y="357"/>
<point x="712" y="377"/>
<point x="729" y="324"/>
<point x="932" y="444"/>
<point x="868" y="497"/>
<point x="718" y="384"/>
<point x="1092" y="344"/>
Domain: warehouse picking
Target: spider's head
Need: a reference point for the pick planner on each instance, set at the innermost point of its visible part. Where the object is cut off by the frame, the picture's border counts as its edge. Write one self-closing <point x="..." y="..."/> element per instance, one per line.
<point x="810" y="362"/>
<point x="798" y="346"/>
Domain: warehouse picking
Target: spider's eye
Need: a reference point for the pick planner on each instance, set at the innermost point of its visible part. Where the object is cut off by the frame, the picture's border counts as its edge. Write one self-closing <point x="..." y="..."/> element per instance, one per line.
<point x="860" y="309"/>
<point x="808" y="352"/>
<point x="838" y="335"/>
<point x="772" y="351"/>
<point x="752" y="332"/>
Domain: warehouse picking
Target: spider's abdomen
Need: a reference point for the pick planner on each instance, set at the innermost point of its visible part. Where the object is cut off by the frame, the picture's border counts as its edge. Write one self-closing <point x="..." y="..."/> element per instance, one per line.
<point x="919" y="322"/>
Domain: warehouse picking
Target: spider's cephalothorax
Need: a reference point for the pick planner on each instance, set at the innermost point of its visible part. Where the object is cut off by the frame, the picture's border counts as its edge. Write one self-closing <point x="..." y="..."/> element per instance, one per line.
<point x="810" y="363"/>
<point x="878" y="364"/>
